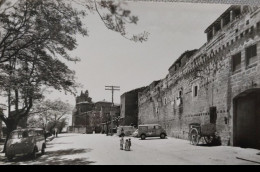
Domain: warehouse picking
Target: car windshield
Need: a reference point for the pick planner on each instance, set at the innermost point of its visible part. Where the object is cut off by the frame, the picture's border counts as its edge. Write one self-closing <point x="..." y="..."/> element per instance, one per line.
<point x="16" y="135"/>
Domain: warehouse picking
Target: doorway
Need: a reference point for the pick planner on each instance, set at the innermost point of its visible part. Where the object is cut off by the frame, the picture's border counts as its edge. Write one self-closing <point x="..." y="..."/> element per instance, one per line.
<point x="247" y="119"/>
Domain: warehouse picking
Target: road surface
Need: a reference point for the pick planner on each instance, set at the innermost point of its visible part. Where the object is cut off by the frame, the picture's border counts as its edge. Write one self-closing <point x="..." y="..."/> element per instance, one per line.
<point x="99" y="149"/>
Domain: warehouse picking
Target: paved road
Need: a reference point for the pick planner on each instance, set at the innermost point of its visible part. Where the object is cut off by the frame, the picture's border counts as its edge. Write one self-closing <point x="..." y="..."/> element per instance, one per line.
<point x="97" y="149"/>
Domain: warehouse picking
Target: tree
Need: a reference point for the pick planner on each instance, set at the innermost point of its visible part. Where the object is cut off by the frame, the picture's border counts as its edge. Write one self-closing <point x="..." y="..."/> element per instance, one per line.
<point x="49" y="113"/>
<point x="62" y="124"/>
<point x="47" y="22"/>
<point x="35" y="36"/>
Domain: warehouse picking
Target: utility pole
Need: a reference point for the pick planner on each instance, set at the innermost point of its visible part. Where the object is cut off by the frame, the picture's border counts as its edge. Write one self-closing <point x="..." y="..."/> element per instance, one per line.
<point x="112" y="89"/>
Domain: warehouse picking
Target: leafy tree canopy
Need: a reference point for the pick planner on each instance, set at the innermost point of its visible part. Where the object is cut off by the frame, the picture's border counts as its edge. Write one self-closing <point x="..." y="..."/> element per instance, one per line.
<point x="35" y="36"/>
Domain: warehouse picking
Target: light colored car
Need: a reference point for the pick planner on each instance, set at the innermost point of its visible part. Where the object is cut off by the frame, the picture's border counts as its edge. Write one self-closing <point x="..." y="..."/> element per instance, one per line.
<point x="125" y="130"/>
<point x="151" y="130"/>
<point x="25" y="142"/>
<point x="135" y="134"/>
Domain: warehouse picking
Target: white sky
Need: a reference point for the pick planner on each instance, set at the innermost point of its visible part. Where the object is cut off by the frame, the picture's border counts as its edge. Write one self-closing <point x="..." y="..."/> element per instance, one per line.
<point x="109" y="59"/>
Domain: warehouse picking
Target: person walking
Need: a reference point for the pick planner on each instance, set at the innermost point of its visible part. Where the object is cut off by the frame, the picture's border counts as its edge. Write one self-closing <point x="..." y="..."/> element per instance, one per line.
<point x="56" y="132"/>
<point x="45" y="135"/>
<point x="122" y="143"/>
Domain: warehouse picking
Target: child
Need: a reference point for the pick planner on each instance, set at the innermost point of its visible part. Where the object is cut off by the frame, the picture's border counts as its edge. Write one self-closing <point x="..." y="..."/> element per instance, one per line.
<point x="129" y="142"/>
<point x="122" y="143"/>
<point x="126" y="145"/>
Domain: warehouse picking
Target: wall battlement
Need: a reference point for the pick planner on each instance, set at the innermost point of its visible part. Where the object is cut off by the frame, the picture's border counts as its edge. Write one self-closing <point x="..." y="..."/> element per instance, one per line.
<point x="213" y="76"/>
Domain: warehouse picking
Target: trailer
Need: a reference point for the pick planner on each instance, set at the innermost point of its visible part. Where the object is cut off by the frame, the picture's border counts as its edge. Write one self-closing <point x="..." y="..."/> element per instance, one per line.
<point x="198" y="131"/>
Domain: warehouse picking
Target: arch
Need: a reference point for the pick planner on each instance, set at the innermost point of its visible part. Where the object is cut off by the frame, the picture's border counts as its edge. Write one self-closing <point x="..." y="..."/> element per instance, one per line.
<point x="246" y="121"/>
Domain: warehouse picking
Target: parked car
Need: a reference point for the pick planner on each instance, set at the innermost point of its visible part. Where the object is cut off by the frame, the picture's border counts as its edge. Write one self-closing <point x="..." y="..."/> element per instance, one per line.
<point x="135" y="134"/>
<point x="49" y="137"/>
<point x="28" y="141"/>
<point x="151" y="130"/>
<point x="125" y="130"/>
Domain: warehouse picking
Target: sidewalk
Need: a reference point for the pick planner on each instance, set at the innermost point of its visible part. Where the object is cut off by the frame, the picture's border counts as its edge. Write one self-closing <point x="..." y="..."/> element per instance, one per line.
<point x="251" y="155"/>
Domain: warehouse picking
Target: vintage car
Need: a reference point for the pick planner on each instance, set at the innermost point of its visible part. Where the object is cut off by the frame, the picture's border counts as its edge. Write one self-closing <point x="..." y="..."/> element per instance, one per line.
<point x="28" y="141"/>
<point x="135" y="134"/>
<point x="151" y="130"/>
<point x="125" y="130"/>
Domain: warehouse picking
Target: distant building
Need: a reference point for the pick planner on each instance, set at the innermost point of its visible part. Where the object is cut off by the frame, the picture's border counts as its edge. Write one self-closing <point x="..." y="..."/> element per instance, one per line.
<point x="129" y="107"/>
<point x="109" y="114"/>
<point x="89" y="117"/>
<point x="100" y="114"/>
<point x="80" y="118"/>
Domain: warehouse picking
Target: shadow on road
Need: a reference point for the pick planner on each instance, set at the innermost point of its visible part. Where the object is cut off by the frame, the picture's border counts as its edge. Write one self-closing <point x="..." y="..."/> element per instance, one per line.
<point x="54" y="158"/>
<point x="62" y="135"/>
<point x="51" y="145"/>
<point x="151" y="138"/>
<point x="208" y="145"/>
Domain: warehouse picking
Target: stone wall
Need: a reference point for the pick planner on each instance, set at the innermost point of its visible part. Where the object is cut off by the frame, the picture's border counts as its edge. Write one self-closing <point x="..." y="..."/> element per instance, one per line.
<point x="1" y="132"/>
<point x="173" y="102"/>
<point x="129" y="107"/>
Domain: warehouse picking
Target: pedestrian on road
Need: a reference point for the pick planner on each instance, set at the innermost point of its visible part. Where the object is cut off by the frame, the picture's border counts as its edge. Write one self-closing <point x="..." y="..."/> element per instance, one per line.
<point x="126" y="145"/>
<point x="122" y="133"/>
<point x="122" y="143"/>
<point x="129" y="142"/>
<point x="45" y="135"/>
<point x="56" y="132"/>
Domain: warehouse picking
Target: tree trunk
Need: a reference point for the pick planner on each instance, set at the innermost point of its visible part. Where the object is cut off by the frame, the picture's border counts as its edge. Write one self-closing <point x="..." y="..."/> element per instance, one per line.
<point x="11" y="125"/>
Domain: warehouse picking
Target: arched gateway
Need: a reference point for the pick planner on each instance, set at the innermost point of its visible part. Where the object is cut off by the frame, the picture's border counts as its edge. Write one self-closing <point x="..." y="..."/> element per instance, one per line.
<point x="247" y="119"/>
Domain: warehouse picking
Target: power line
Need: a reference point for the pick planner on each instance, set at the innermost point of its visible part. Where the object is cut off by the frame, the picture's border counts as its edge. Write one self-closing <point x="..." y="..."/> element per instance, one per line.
<point x="112" y="89"/>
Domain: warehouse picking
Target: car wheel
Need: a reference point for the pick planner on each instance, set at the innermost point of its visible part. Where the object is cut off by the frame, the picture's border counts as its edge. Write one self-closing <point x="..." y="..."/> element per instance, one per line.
<point x="10" y="158"/>
<point x="34" y="153"/>
<point x="43" y="149"/>
<point x="142" y="136"/>
<point x="162" y="136"/>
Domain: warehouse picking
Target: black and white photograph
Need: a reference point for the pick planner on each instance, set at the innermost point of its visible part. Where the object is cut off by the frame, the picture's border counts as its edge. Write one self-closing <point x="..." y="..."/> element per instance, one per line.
<point x="129" y="82"/>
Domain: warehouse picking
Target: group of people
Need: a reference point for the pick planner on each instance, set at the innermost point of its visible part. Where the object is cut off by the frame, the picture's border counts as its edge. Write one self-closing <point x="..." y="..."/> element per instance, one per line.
<point x="127" y="144"/>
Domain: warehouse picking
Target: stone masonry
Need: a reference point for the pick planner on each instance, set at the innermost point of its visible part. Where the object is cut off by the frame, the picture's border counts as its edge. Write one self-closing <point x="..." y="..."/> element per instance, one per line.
<point x="129" y="107"/>
<point x="211" y="76"/>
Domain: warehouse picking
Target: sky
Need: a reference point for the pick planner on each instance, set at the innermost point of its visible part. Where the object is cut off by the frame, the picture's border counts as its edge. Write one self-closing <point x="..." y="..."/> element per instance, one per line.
<point x="109" y="59"/>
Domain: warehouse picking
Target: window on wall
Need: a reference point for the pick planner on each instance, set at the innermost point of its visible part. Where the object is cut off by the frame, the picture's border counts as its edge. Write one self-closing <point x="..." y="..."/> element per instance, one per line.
<point x="251" y="54"/>
<point x="195" y="91"/>
<point x="236" y="62"/>
<point x="213" y="115"/>
<point x="227" y="44"/>
<point x="246" y="32"/>
<point x="252" y="29"/>
<point x="157" y="110"/>
<point x="241" y="35"/>
<point x="165" y="100"/>
<point x="180" y="94"/>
